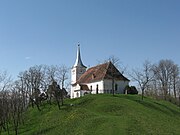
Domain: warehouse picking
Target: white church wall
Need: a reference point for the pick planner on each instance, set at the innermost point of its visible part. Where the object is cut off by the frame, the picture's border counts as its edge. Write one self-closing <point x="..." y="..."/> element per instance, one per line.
<point x="94" y="85"/>
<point x="75" y="94"/>
<point x="104" y="86"/>
<point x="73" y="76"/>
<point x="120" y="86"/>
<point x="72" y="93"/>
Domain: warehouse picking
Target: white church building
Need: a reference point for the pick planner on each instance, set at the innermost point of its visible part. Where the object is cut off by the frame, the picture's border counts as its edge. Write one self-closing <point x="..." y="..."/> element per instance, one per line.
<point x="98" y="79"/>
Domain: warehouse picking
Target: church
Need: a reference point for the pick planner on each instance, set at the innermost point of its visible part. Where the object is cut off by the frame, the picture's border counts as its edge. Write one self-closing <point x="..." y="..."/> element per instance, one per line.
<point x="103" y="78"/>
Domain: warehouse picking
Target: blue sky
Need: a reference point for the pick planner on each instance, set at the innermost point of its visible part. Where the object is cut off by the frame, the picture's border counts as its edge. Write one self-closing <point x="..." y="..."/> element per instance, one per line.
<point x="34" y="32"/>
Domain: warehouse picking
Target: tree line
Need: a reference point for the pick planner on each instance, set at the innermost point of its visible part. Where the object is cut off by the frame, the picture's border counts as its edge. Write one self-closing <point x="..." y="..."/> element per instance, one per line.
<point x="160" y="80"/>
<point x="33" y="86"/>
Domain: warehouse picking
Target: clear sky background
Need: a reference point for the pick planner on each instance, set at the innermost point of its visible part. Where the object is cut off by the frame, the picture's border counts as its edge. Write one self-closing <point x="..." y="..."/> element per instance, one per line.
<point x="34" y="32"/>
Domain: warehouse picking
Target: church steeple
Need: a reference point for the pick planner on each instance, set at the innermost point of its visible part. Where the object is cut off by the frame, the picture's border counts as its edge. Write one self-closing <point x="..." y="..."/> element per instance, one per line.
<point x="79" y="62"/>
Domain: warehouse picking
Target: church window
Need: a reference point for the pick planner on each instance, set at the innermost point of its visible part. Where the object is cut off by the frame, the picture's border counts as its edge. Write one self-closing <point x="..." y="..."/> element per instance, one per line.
<point x="97" y="89"/>
<point x="116" y="87"/>
<point x="73" y="72"/>
<point x="93" y="76"/>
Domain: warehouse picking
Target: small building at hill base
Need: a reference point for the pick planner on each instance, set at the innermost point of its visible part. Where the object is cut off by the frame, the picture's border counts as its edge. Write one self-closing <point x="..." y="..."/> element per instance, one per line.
<point x="103" y="78"/>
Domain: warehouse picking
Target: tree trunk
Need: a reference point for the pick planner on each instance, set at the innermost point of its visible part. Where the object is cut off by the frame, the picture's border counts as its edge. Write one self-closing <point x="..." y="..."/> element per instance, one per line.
<point x="58" y="103"/>
<point x="16" y="132"/>
<point x="174" y="89"/>
<point x="15" y="126"/>
<point x="62" y="96"/>
<point x="37" y="105"/>
<point x="142" y="94"/>
<point x="165" y="91"/>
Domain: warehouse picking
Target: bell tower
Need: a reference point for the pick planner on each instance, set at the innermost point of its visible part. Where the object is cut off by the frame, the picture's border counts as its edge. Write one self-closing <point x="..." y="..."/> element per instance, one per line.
<point x="78" y="69"/>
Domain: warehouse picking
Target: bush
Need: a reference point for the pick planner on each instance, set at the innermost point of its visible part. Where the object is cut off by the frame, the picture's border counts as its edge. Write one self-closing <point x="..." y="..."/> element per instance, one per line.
<point x="131" y="90"/>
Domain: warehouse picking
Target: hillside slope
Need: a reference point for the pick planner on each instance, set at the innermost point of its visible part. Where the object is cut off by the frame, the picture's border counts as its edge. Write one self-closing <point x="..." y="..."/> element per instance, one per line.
<point x="106" y="115"/>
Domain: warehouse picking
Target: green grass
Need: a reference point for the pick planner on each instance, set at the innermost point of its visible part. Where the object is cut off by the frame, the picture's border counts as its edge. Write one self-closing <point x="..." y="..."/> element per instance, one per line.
<point x="106" y="115"/>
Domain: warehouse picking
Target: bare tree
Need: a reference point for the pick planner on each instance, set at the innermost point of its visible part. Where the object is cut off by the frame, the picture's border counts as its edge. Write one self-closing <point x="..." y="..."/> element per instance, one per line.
<point x="175" y="78"/>
<point x="4" y="111"/>
<point x="143" y="76"/>
<point x="54" y="91"/>
<point x="114" y="60"/>
<point x="51" y="72"/>
<point x="62" y="75"/>
<point x="5" y="84"/>
<point x="57" y="74"/>
<point x="117" y="63"/>
<point x="11" y="104"/>
<point x="16" y="109"/>
<point x="167" y="73"/>
<point x="178" y="90"/>
<point x="33" y="79"/>
<point x="5" y="80"/>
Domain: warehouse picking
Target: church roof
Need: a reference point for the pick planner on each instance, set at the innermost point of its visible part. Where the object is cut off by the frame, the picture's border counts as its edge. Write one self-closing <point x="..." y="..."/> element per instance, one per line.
<point x="101" y="72"/>
<point x="79" y="62"/>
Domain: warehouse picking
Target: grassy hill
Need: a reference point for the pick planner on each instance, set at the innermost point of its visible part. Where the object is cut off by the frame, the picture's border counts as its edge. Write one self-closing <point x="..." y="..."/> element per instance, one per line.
<point x="106" y="115"/>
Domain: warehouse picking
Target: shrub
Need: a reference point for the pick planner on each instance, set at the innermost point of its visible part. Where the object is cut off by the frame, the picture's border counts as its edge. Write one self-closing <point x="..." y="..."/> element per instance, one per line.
<point x="131" y="90"/>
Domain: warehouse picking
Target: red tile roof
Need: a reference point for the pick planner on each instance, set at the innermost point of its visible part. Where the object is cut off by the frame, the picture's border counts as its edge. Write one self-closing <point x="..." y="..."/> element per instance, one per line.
<point x="101" y="72"/>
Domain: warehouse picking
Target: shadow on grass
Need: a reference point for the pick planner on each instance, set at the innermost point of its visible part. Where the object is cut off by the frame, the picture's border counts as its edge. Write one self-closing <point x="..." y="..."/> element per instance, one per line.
<point x="168" y="108"/>
<point x="152" y="105"/>
<point x="159" y="107"/>
<point x="132" y="97"/>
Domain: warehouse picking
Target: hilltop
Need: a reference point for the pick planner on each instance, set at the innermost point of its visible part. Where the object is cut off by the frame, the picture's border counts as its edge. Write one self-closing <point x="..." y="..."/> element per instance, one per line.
<point x="104" y="114"/>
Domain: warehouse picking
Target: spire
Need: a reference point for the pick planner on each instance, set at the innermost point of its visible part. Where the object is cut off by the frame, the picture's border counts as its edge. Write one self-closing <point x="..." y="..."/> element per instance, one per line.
<point x="78" y="59"/>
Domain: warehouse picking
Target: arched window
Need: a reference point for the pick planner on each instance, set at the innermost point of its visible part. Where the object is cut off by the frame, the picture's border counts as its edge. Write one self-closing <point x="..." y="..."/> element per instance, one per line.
<point x="116" y="87"/>
<point x="97" y="89"/>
